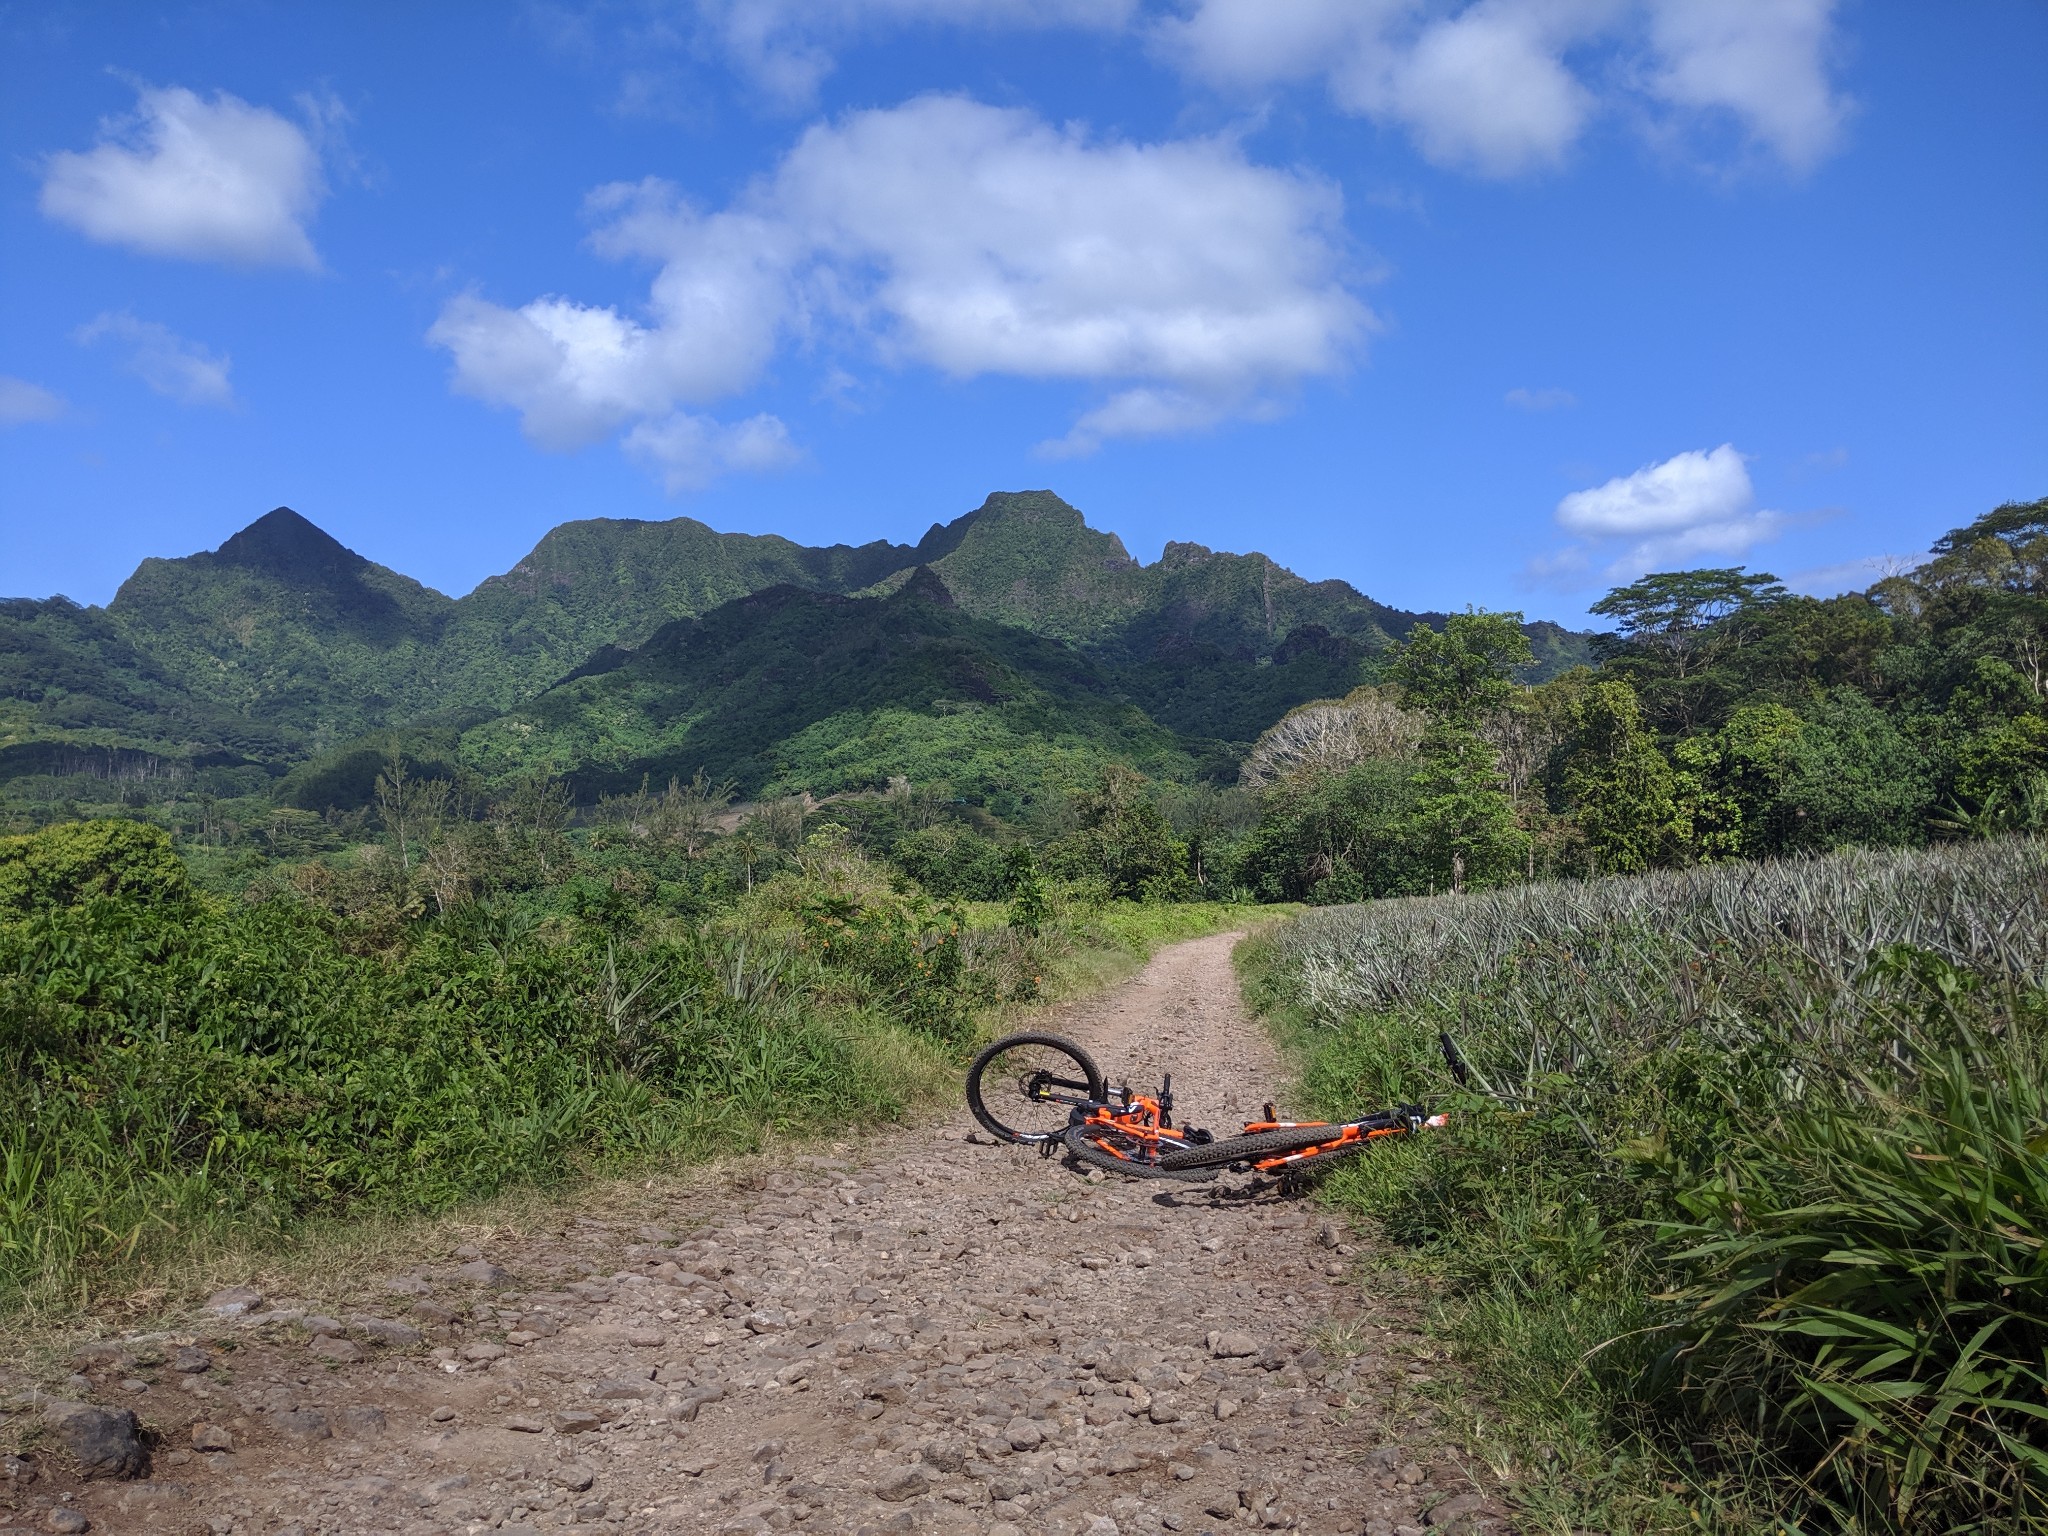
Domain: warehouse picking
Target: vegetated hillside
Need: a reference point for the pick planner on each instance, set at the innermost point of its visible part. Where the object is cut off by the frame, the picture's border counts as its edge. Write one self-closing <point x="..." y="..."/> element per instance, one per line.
<point x="283" y="623"/>
<point x="792" y="689"/>
<point x="77" y="695"/>
<point x="604" y="582"/>
<point x="283" y="646"/>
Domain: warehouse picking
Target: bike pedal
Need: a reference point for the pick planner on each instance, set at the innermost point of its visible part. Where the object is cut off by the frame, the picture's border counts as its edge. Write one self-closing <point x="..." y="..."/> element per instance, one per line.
<point x="1045" y="1148"/>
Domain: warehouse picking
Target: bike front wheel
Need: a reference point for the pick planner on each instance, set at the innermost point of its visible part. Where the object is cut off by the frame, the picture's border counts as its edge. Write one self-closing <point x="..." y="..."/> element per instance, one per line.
<point x="1023" y="1087"/>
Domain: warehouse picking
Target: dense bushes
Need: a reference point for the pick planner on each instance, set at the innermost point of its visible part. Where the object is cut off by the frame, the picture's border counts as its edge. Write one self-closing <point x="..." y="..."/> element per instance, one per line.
<point x="1776" y="1139"/>
<point x="166" y="1066"/>
<point x="71" y="862"/>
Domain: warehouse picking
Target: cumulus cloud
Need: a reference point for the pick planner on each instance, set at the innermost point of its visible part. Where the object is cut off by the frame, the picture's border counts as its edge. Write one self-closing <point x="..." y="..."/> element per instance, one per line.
<point x="1541" y="399"/>
<point x="215" y="180"/>
<point x="1764" y="63"/>
<point x="689" y="452"/>
<point x="787" y="47"/>
<point x="1506" y="87"/>
<point x="22" y="402"/>
<point x="1692" y="506"/>
<point x="175" y="368"/>
<point x="1186" y="281"/>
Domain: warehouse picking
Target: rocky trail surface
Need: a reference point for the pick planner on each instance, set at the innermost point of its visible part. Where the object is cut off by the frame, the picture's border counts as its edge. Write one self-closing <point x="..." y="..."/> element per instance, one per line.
<point x="935" y="1334"/>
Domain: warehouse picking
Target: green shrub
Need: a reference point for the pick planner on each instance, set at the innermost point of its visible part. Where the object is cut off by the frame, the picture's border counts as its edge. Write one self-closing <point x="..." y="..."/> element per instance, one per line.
<point x="71" y="862"/>
<point x="1870" y="1284"/>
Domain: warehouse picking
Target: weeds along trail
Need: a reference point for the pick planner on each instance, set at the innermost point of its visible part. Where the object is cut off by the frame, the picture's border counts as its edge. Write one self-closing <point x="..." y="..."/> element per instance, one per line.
<point x="932" y="1334"/>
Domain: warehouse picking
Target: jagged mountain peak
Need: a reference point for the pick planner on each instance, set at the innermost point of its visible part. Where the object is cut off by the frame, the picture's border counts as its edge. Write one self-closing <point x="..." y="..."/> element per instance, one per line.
<point x="285" y="544"/>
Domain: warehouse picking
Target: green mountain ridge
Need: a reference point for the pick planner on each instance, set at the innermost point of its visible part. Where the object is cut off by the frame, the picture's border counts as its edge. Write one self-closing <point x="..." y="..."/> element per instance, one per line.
<point x="282" y="645"/>
<point x="790" y="688"/>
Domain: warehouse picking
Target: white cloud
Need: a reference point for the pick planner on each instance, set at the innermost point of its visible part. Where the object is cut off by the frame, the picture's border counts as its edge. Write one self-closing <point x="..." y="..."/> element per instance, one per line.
<point x="1142" y="412"/>
<point x="1763" y="62"/>
<point x="787" y="47"/>
<point x="1541" y="399"/>
<point x="975" y="240"/>
<point x="175" y="368"/>
<point x="689" y="452"/>
<point x="22" y="402"/>
<point x="1506" y="87"/>
<point x="1687" y="490"/>
<point x="215" y="180"/>
<point x="1692" y="506"/>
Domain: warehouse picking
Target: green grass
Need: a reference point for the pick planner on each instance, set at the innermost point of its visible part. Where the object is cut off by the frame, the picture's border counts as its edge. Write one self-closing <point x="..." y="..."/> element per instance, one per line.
<point x="1746" y="1228"/>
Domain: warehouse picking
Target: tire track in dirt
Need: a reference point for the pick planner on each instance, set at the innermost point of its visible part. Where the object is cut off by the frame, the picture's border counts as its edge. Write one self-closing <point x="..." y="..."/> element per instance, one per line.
<point x="946" y="1336"/>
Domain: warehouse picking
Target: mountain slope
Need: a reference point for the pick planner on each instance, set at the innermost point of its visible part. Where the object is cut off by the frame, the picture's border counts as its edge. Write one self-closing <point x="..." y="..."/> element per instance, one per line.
<point x="284" y="623"/>
<point x="791" y="688"/>
<point x="77" y="695"/>
<point x="614" y="581"/>
<point x="283" y="646"/>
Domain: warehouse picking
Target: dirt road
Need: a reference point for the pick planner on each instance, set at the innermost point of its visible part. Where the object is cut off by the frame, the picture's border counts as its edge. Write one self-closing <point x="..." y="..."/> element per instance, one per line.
<point x="944" y="1336"/>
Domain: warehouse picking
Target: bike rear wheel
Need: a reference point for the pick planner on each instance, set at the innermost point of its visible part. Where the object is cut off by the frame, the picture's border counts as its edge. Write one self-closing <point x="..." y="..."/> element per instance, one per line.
<point x="1011" y="1084"/>
<point x="1118" y="1152"/>
<point x="1256" y="1147"/>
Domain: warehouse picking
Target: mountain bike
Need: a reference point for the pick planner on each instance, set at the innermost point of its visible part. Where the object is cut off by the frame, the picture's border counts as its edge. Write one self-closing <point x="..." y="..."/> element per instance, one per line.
<point x="1044" y="1090"/>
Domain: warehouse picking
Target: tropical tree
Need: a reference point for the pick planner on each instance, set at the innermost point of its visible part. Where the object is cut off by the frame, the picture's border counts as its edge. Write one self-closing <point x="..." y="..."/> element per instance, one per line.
<point x="1621" y="791"/>
<point x="1464" y="820"/>
<point x="1465" y="671"/>
<point x="1675" y="628"/>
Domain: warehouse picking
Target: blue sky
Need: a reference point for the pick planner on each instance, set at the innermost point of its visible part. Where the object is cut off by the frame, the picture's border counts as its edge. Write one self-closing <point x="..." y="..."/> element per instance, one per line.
<point x="1487" y="301"/>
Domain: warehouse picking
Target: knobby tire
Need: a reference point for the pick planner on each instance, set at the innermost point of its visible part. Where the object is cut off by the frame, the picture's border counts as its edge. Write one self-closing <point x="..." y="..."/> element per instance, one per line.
<point x="1051" y="1117"/>
<point x="1253" y="1148"/>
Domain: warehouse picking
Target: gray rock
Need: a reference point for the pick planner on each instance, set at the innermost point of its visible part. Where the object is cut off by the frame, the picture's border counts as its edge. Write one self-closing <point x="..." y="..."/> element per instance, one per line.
<point x="634" y="1387"/>
<point x="106" y="1442"/>
<point x="68" y="1521"/>
<point x="577" y="1479"/>
<point x="433" y="1313"/>
<point x="191" y="1360"/>
<point x="484" y="1351"/>
<point x="317" y="1323"/>
<point x="382" y="1330"/>
<point x="235" y="1301"/>
<point x="211" y="1437"/>
<point x="302" y="1424"/>
<point x="1023" y="1435"/>
<point x="576" y="1421"/>
<point x="331" y="1346"/>
<point x="483" y="1272"/>
<point x="1458" y="1508"/>
<point x="903" y="1483"/>
<point x="1233" y="1346"/>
